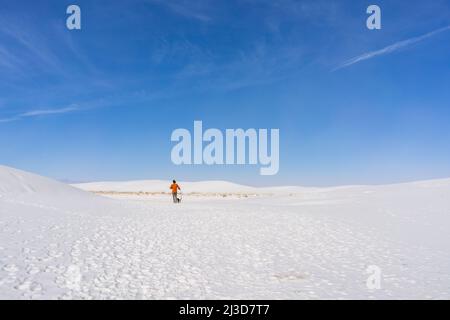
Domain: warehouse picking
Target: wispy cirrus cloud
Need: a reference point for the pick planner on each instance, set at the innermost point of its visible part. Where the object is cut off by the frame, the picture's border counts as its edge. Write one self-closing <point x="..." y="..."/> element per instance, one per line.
<point x="8" y="59"/>
<point x="36" y="113"/>
<point x="187" y="9"/>
<point x="25" y="47"/>
<point x="39" y="112"/>
<point x="389" y="49"/>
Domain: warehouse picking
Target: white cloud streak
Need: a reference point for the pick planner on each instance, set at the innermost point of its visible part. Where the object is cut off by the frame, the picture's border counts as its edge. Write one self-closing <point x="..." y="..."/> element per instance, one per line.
<point x="187" y="9"/>
<point x="389" y="49"/>
<point x="36" y="113"/>
<point x="39" y="112"/>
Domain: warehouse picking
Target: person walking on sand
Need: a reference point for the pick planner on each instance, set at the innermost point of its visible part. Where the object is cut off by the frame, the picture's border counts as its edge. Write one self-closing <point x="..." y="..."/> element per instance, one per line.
<point x="175" y="187"/>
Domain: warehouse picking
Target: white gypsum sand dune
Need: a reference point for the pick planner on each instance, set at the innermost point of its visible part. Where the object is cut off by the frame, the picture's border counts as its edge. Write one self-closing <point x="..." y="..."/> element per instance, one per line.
<point x="163" y="186"/>
<point x="58" y="242"/>
<point x="198" y="189"/>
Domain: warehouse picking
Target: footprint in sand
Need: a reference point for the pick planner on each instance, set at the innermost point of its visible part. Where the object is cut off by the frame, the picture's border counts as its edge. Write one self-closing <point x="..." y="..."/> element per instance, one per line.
<point x="30" y="287"/>
<point x="32" y="269"/>
<point x="10" y="268"/>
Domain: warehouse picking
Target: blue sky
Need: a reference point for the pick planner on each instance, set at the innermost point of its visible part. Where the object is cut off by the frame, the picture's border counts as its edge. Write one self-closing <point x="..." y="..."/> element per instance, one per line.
<point x="353" y="106"/>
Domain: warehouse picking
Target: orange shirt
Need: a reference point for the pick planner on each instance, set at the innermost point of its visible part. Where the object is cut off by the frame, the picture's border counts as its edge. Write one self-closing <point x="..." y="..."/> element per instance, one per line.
<point x="174" y="187"/>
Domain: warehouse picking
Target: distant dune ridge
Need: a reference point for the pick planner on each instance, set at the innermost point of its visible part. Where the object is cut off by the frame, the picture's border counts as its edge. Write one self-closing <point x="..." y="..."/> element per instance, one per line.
<point x="154" y="187"/>
<point x="15" y="182"/>
<point x="204" y="187"/>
